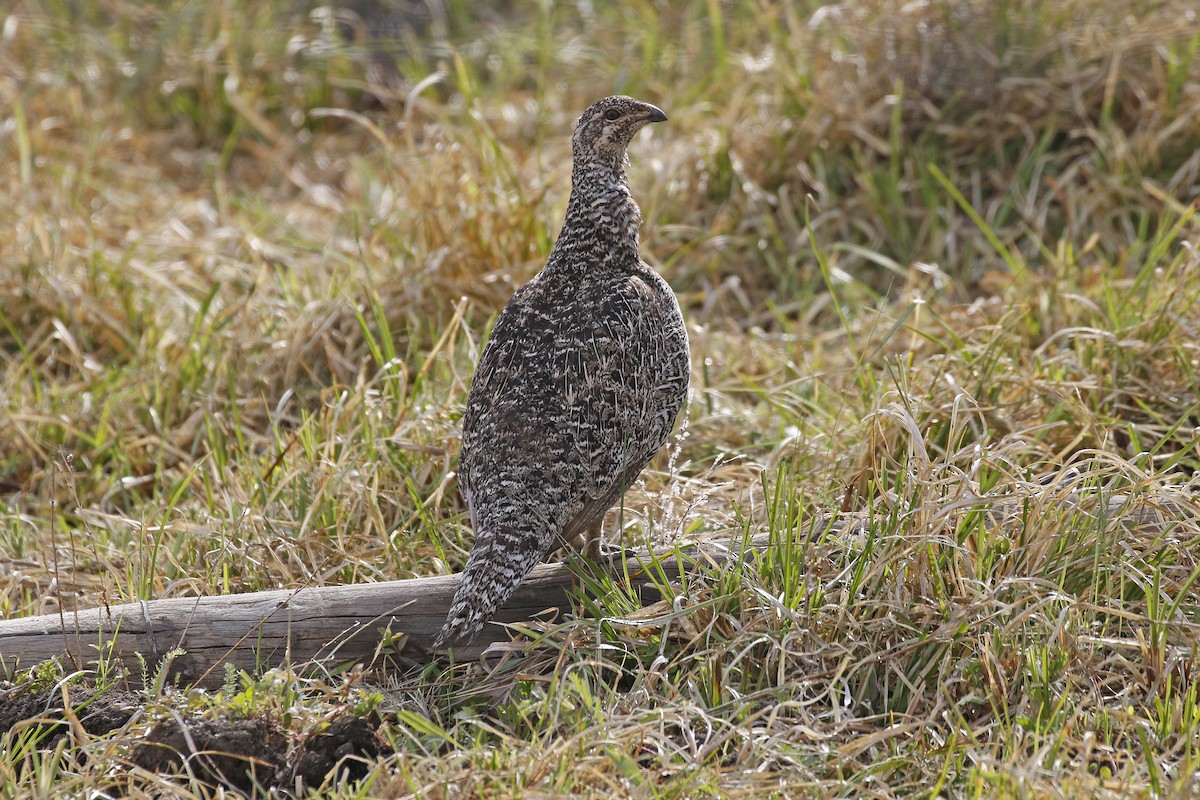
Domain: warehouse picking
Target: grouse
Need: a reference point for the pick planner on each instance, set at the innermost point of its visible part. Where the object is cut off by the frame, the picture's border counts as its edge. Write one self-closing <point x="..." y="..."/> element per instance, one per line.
<point x="579" y="384"/>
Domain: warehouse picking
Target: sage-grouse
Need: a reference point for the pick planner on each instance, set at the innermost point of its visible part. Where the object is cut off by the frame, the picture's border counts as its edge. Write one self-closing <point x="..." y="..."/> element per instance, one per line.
<point x="578" y="385"/>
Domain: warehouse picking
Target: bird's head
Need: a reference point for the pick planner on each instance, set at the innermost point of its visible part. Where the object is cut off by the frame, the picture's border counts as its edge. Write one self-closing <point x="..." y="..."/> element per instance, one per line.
<point x="607" y="127"/>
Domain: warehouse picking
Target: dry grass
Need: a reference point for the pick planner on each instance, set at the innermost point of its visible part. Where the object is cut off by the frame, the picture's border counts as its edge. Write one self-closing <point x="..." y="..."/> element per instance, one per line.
<point x="940" y="266"/>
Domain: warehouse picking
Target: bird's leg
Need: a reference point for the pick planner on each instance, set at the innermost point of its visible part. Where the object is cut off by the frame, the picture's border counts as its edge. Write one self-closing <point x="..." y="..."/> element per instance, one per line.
<point x="591" y="542"/>
<point x="597" y="550"/>
<point x="586" y="543"/>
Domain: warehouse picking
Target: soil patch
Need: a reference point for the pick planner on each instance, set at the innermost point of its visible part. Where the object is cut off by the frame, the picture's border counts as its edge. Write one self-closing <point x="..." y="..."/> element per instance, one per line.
<point x="251" y="754"/>
<point x="247" y="754"/>
<point x="244" y="754"/>
<point x="98" y="711"/>
<point x="345" y="745"/>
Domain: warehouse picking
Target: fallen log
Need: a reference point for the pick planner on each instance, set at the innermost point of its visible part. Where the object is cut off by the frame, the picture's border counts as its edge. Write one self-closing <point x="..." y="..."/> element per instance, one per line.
<point x="327" y="627"/>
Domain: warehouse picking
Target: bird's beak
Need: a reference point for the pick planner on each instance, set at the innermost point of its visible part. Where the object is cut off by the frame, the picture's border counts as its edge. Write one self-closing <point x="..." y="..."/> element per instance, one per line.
<point x="655" y="114"/>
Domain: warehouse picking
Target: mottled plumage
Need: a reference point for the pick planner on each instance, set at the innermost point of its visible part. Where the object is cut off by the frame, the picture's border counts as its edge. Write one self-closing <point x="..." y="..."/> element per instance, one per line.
<point x="579" y="384"/>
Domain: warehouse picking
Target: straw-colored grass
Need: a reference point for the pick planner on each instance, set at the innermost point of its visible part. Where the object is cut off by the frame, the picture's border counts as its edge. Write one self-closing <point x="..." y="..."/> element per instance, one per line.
<point x="940" y="267"/>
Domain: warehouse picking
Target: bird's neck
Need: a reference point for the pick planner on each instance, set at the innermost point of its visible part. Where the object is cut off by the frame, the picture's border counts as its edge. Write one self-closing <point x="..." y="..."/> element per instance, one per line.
<point x="601" y="225"/>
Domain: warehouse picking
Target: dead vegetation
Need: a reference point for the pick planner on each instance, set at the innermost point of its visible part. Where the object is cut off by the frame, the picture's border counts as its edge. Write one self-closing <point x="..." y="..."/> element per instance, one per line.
<point x="940" y="265"/>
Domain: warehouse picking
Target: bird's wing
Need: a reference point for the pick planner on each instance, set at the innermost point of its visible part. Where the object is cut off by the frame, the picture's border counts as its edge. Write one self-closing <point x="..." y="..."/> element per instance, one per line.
<point x="626" y="401"/>
<point x="566" y="408"/>
<point x="518" y="459"/>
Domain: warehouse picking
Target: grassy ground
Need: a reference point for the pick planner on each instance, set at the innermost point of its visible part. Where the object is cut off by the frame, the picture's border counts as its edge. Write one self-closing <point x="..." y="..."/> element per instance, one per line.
<point x="939" y="263"/>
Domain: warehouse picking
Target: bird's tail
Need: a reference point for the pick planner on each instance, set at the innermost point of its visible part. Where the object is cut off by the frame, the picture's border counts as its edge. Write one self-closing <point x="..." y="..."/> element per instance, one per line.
<point x="492" y="575"/>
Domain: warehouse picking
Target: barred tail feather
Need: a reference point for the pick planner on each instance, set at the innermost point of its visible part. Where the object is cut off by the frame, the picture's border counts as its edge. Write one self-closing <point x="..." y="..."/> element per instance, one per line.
<point x="491" y="577"/>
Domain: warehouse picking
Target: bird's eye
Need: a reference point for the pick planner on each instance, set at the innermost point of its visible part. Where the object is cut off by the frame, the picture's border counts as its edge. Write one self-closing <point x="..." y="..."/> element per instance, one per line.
<point x="612" y="114"/>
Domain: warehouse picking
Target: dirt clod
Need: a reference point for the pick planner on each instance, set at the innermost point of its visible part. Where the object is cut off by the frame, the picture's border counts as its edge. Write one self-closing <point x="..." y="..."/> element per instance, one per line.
<point x="240" y="753"/>
<point x="98" y="711"/>
<point x="254" y="753"/>
<point x="345" y="745"/>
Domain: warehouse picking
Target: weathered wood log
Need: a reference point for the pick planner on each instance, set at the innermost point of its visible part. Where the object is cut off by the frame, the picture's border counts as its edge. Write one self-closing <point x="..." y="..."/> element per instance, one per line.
<point x="326" y="627"/>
